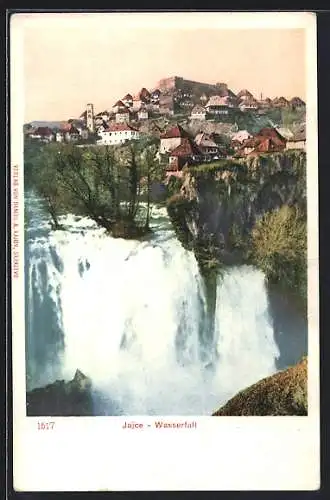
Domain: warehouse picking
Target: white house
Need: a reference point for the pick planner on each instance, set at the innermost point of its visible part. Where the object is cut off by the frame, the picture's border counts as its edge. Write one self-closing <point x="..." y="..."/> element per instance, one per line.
<point x="241" y="136"/>
<point x="122" y="116"/>
<point x="70" y="133"/>
<point x="298" y="141"/>
<point x="59" y="136"/>
<point x="198" y="113"/>
<point x="84" y="132"/>
<point x="218" y="105"/>
<point x="206" y="145"/>
<point x="117" y="133"/>
<point x="248" y="104"/>
<point x="143" y="114"/>
<point x="171" y="139"/>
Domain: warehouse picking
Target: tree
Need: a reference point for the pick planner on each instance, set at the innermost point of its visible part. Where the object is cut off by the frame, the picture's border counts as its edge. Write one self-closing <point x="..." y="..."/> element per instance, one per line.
<point x="103" y="183"/>
<point x="151" y="170"/>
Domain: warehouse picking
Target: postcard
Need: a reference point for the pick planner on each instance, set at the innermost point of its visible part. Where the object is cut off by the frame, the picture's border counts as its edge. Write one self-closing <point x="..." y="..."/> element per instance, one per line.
<point x="164" y="227"/>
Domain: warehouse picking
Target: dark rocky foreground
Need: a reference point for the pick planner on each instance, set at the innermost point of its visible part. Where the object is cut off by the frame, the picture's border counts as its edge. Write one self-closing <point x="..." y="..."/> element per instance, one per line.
<point x="62" y="399"/>
<point x="284" y="393"/>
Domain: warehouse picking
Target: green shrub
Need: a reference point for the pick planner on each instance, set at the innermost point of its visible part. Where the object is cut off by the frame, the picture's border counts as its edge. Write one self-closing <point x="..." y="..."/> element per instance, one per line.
<point x="279" y="247"/>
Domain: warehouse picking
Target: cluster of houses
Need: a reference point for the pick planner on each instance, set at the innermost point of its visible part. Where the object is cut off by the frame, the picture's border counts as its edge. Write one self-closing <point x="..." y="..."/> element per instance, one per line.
<point x="131" y="110"/>
<point x="71" y="131"/>
<point x="226" y="102"/>
<point x="181" y="149"/>
<point x="177" y="146"/>
<point x="123" y="121"/>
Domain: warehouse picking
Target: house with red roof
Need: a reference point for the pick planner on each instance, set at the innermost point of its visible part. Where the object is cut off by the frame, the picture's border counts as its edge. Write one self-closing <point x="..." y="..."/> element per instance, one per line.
<point x="118" y="133"/>
<point x="172" y="138"/>
<point x="43" y="134"/>
<point x="267" y="140"/>
<point x="184" y="154"/>
<point x="70" y="133"/>
<point x="119" y="105"/>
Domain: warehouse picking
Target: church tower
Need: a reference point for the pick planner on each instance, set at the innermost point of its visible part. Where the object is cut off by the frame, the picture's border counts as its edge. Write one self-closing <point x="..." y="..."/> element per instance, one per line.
<point x="90" y="117"/>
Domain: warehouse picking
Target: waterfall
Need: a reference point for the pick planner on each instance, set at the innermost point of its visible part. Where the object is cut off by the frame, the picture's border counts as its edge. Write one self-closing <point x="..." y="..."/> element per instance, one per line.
<point x="132" y="315"/>
<point x="246" y="347"/>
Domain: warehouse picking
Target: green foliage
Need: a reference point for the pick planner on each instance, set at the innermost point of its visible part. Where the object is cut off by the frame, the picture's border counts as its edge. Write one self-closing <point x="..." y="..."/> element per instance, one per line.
<point x="177" y="207"/>
<point x="291" y="116"/>
<point x="173" y="186"/>
<point x="101" y="182"/>
<point x="212" y="168"/>
<point x="279" y="247"/>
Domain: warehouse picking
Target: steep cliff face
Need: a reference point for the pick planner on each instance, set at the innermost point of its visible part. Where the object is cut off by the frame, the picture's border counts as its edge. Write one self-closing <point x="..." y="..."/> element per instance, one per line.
<point x="219" y="204"/>
<point x="284" y="393"/>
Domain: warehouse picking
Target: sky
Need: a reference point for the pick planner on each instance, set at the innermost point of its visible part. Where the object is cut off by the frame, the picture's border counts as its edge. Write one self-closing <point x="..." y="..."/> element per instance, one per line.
<point x="70" y="60"/>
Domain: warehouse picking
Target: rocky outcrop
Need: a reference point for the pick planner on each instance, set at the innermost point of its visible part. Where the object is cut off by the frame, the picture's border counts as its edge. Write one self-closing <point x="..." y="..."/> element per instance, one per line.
<point x="284" y="393"/>
<point x="219" y="204"/>
<point x="62" y="398"/>
<point x="227" y="198"/>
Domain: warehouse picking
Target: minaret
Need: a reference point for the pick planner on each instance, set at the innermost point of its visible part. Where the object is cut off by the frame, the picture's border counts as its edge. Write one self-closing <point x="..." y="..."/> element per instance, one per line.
<point x="90" y="117"/>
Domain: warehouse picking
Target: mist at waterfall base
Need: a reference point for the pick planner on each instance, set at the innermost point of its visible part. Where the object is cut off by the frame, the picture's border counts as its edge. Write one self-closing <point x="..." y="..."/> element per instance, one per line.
<point x="132" y="315"/>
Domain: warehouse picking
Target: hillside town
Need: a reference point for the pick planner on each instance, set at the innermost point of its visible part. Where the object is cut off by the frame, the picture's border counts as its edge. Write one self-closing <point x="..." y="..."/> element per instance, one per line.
<point x="193" y="123"/>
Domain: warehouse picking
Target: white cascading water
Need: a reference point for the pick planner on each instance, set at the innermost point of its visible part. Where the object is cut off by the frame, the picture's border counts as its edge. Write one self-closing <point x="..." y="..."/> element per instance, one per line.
<point x="245" y="339"/>
<point x="133" y="317"/>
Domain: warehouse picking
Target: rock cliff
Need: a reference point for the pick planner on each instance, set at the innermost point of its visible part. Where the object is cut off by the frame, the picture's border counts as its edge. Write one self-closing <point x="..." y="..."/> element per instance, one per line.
<point x="62" y="398"/>
<point x="219" y="204"/>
